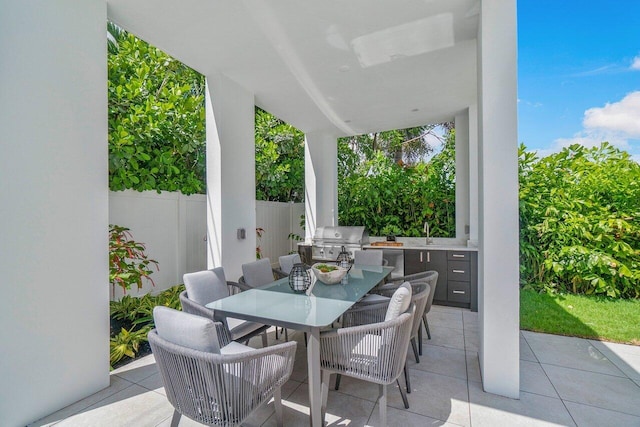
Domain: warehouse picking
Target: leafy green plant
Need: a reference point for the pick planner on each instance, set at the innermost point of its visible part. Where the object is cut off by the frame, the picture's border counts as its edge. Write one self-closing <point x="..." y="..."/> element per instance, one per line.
<point x="381" y="194"/>
<point x="156" y="119"/>
<point x="580" y="221"/>
<point x="126" y="343"/>
<point x="135" y="317"/>
<point x="128" y="262"/>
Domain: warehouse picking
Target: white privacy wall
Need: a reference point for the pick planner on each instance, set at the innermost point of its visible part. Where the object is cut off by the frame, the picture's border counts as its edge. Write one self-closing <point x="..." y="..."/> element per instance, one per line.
<point x="173" y="228"/>
<point x="54" y="194"/>
<point x="278" y="220"/>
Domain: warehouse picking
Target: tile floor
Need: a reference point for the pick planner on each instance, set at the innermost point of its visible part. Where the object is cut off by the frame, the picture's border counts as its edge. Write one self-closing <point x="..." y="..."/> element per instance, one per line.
<point x="564" y="381"/>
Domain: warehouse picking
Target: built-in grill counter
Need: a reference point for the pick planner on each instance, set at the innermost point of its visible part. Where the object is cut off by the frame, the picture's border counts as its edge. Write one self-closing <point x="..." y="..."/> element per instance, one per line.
<point x="328" y="242"/>
<point x="456" y="264"/>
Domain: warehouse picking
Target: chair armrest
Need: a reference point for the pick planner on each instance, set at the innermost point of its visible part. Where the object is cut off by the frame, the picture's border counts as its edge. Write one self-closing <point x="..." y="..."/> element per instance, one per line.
<point x="363" y="314"/>
<point x="278" y="274"/>
<point x="243" y="285"/>
<point x="234" y="287"/>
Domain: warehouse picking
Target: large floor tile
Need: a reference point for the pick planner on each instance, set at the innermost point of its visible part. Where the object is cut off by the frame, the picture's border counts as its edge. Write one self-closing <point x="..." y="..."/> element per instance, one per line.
<point x="445" y="337"/>
<point x="447" y="319"/>
<point x="440" y="360"/>
<point x="623" y="356"/>
<point x="491" y="410"/>
<point x="436" y="396"/>
<point x="137" y="370"/>
<point x="133" y="406"/>
<point x="525" y="350"/>
<point x="473" y="366"/>
<point x="341" y="410"/>
<point x="117" y="384"/>
<point x="600" y="390"/>
<point x="471" y="340"/>
<point x="404" y="418"/>
<point x="533" y="379"/>
<point x="589" y="416"/>
<point x="570" y="352"/>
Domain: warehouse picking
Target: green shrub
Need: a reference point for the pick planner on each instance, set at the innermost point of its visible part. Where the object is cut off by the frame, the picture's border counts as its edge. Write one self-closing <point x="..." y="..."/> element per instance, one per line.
<point x="133" y="317"/>
<point x="580" y="221"/>
<point x="128" y="262"/>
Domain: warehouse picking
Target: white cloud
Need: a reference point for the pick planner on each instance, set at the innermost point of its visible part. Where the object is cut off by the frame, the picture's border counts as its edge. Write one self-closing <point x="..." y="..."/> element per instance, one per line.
<point x="617" y="123"/>
<point x="635" y="65"/>
<point x="620" y="117"/>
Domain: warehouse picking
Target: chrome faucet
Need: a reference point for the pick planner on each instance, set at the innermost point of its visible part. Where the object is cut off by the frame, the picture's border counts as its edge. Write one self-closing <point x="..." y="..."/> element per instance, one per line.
<point x="426" y="230"/>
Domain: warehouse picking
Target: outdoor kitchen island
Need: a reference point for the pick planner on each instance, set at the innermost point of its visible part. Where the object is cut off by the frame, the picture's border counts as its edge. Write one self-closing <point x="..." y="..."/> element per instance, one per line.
<point x="456" y="264"/>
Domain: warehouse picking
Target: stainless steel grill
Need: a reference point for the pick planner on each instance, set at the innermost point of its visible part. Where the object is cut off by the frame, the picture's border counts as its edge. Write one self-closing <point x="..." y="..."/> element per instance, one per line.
<point x="328" y="241"/>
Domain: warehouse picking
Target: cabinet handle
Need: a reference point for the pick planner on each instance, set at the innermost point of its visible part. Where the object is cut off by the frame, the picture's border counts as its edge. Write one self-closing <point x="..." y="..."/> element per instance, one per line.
<point x="458" y="271"/>
<point x="428" y="256"/>
<point x="421" y="256"/>
<point x="458" y="255"/>
<point x="459" y="292"/>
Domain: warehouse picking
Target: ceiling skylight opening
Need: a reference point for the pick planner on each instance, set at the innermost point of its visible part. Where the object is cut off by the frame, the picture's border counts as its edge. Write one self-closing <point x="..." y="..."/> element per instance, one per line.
<point x="405" y="40"/>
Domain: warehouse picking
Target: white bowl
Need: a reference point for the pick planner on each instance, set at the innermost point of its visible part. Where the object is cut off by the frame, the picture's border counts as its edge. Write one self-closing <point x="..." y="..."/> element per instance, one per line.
<point x="331" y="277"/>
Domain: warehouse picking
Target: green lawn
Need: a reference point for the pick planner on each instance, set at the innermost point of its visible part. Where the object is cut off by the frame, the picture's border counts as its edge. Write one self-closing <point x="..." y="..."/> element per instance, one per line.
<point x="581" y="316"/>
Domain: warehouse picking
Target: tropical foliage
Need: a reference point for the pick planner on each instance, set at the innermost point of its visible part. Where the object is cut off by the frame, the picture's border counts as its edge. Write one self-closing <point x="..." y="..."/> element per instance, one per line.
<point x="156" y="119"/>
<point x="580" y="221"/>
<point x="132" y="319"/>
<point x="279" y="159"/>
<point x="128" y="262"/>
<point x="388" y="196"/>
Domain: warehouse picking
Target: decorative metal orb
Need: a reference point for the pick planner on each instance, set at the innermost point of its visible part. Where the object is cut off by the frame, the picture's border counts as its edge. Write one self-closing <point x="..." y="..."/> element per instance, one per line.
<point x="299" y="278"/>
<point x="344" y="259"/>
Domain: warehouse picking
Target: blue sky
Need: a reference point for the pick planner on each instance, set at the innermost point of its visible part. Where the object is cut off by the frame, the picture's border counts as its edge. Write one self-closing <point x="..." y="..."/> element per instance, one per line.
<point x="579" y="74"/>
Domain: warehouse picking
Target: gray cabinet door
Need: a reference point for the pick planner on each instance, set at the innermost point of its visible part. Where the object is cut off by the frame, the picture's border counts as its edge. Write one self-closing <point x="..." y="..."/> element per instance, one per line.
<point x="437" y="260"/>
<point x="414" y="261"/>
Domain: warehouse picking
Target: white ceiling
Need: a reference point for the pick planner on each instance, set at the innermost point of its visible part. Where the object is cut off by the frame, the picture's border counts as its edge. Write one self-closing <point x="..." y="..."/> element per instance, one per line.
<point x="342" y="66"/>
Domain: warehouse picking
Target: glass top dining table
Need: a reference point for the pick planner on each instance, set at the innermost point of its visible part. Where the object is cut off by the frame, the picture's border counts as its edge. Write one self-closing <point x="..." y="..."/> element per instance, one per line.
<point x="276" y="304"/>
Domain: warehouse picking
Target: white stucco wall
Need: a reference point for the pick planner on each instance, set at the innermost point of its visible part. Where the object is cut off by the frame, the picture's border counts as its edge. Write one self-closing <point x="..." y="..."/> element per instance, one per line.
<point x="231" y="187"/>
<point x="320" y="181"/>
<point x="498" y="263"/>
<point x="53" y="204"/>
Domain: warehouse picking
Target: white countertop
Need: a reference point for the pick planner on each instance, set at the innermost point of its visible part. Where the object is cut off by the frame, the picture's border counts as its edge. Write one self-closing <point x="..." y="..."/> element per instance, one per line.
<point x="438" y="244"/>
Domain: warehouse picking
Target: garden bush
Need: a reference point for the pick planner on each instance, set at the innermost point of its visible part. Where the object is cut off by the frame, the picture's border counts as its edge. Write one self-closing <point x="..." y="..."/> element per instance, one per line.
<point x="580" y="221"/>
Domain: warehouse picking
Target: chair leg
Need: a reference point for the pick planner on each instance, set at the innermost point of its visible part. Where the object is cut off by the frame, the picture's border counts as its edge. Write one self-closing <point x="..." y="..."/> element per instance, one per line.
<point x="426" y="326"/>
<point x="415" y="349"/>
<point x="420" y="341"/>
<point x="277" y="403"/>
<point x="407" y="381"/>
<point x="265" y="343"/>
<point x="305" y="339"/>
<point x="175" y="420"/>
<point x="382" y="401"/>
<point x="276" y="332"/>
<point x="286" y="334"/>
<point x="338" y="378"/>
<point x="403" y="394"/>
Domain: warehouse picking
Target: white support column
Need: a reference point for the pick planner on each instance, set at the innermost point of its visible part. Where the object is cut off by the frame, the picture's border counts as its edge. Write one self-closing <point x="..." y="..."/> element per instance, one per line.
<point x="473" y="174"/>
<point x="54" y="308"/>
<point x="462" y="175"/>
<point x="320" y="181"/>
<point x="231" y="188"/>
<point x="498" y="211"/>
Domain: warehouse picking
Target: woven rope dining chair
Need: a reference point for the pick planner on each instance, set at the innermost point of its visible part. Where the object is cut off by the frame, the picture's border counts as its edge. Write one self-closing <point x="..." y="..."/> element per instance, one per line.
<point x="374" y="353"/>
<point x="212" y="384"/>
<point x="203" y="287"/>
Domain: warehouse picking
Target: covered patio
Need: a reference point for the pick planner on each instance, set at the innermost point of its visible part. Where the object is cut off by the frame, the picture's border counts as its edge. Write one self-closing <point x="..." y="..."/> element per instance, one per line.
<point x="329" y="68"/>
<point x="564" y="381"/>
